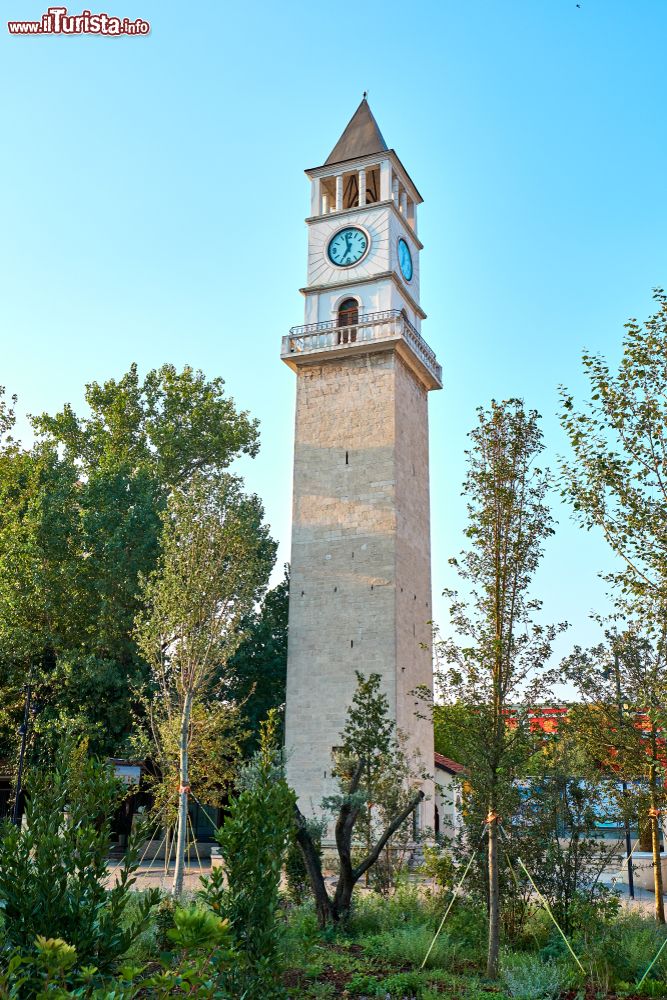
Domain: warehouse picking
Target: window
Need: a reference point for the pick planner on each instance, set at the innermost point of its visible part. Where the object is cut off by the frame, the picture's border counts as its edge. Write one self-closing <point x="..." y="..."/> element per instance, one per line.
<point x="348" y="316"/>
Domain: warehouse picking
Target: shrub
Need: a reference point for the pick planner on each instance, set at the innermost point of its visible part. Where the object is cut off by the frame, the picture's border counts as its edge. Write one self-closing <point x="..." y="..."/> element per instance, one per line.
<point x="622" y="949"/>
<point x="201" y="958"/>
<point x="53" y="870"/>
<point x="439" y="865"/>
<point x="253" y="841"/>
<point x="528" y="977"/>
<point x="373" y="914"/>
<point x="408" y="945"/>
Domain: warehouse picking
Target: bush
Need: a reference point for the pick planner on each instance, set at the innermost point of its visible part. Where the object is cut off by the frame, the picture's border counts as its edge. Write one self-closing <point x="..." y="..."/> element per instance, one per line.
<point x="408" y="945"/>
<point x="373" y="914"/>
<point x="253" y="842"/>
<point x="622" y="949"/>
<point x="53" y="870"/>
<point x="439" y="865"/>
<point x="528" y="977"/>
<point x="199" y="963"/>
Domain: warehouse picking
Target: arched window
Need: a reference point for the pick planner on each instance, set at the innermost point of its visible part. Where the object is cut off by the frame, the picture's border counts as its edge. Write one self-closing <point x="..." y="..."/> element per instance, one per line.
<point x="348" y="316"/>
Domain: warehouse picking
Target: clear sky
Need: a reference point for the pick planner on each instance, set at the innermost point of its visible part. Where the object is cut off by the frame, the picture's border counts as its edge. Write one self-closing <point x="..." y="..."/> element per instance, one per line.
<point x="154" y="197"/>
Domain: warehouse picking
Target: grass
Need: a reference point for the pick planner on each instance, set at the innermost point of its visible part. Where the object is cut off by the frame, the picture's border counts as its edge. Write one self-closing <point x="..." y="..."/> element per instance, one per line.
<point x="380" y="951"/>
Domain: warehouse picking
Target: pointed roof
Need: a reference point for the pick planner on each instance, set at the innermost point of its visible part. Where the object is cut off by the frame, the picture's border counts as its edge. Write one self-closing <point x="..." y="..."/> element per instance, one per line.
<point x="361" y="137"/>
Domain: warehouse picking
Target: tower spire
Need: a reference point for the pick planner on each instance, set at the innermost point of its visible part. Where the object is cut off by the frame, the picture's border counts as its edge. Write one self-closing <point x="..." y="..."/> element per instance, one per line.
<point x="361" y="137"/>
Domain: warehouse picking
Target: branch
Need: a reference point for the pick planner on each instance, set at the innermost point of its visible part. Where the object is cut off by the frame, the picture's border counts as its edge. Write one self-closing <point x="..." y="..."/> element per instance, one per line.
<point x="388" y="833"/>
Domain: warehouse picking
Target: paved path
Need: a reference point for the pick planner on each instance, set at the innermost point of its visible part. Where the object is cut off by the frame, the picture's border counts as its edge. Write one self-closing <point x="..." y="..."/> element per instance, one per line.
<point x="154" y="877"/>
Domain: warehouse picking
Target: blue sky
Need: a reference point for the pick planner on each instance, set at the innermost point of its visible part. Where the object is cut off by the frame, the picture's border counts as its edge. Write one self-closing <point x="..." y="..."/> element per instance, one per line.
<point x="154" y="197"/>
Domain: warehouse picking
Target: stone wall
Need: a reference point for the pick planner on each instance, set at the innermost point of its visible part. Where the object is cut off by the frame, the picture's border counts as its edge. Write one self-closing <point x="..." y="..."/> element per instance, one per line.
<point x="360" y="574"/>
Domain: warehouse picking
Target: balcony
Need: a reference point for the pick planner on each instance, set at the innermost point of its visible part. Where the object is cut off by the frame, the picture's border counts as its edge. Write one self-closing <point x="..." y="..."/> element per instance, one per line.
<point x="372" y="332"/>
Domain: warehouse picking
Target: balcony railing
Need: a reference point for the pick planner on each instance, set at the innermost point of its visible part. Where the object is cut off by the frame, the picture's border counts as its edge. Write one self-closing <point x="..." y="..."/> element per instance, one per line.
<point x="391" y="324"/>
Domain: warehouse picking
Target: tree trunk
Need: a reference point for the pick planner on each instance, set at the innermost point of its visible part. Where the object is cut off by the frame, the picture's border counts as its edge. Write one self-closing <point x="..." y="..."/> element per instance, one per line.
<point x="655" y="847"/>
<point x="494" y="902"/>
<point x="167" y="849"/>
<point x="314" y="868"/>
<point x="183" y="797"/>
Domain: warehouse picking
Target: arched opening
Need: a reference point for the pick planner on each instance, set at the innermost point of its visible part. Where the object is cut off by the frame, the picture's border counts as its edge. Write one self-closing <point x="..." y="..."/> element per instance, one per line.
<point x="348" y="317"/>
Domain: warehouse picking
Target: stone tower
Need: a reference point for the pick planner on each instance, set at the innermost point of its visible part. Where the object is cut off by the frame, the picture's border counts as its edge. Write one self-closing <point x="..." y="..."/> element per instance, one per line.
<point x="360" y="590"/>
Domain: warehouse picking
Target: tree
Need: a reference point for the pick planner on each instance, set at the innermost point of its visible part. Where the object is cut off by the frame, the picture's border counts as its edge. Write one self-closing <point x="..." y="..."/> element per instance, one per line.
<point x="172" y="425"/>
<point x="257" y="672"/>
<point x="80" y="523"/>
<point x="496" y="675"/>
<point x="623" y="721"/>
<point x="368" y="753"/>
<point x="215" y="561"/>
<point x="617" y="480"/>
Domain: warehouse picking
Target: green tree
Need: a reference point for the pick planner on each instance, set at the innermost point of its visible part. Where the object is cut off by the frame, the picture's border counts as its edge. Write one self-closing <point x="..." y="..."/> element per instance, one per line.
<point x="171" y="425"/>
<point x="257" y="672"/>
<point x="616" y="479"/>
<point x="80" y="523"/>
<point x="372" y="771"/>
<point x="492" y="665"/>
<point x="215" y="561"/>
<point x="622" y="719"/>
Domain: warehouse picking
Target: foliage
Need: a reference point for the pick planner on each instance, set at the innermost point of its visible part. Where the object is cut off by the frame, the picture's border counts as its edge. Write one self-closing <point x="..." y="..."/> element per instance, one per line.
<point x="53" y="870"/>
<point x="79" y="524"/>
<point x="409" y="945"/>
<point x="217" y="735"/>
<point x="253" y="842"/>
<point x="215" y="561"/>
<point x="199" y="962"/>
<point x="257" y="672"/>
<point x="439" y="865"/>
<point x="493" y="666"/>
<point x="528" y="977"/>
<point x="616" y="478"/>
<point x="377" y="787"/>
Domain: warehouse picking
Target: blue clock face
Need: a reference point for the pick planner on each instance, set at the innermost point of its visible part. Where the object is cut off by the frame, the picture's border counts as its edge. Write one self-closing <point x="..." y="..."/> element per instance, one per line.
<point x="347" y="247"/>
<point x="405" y="259"/>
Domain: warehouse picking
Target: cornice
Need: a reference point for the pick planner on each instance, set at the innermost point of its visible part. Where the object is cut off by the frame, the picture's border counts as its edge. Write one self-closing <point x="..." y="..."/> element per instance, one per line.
<point x="312" y="219"/>
<point x="367" y="281"/>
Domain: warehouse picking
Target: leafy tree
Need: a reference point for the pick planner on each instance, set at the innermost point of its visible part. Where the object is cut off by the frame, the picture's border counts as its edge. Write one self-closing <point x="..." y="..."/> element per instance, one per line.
<point x="53" y="871"/>
<point x="215" y="561"/>
<point x="449" y="720"/>
<point x="217" y="737"/>
<point x="616" y="479"/>
<point x="253" y="843"/>
<point x="257" y="672"/>
<point x="171" y="426"/>
<point x="492" y="671"/>
<point x="368" y="754"/>
<point x="623" y="724"/>
<point x="80" y="523"/>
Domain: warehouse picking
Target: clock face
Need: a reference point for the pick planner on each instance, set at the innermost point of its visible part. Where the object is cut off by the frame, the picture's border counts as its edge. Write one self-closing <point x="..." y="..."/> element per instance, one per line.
<point x="405" y="259"/>
<point x="348" y="246"/>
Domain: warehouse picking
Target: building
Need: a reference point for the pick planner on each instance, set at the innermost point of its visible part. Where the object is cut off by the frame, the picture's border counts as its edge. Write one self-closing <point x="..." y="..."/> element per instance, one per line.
<point x="360" y="585"/>
<point x="448" y="804"/>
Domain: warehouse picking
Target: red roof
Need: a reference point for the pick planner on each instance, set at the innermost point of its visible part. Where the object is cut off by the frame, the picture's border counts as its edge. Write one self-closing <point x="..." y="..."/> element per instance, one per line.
<point x="447" y="764"/>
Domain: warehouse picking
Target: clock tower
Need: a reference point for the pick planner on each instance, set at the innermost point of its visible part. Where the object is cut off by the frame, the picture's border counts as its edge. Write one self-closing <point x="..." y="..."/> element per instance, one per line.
<point x="360" y="586"/>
